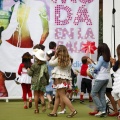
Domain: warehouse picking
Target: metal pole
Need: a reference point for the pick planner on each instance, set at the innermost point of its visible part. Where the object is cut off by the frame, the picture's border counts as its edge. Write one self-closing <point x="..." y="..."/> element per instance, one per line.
<point x="113" y="12"/>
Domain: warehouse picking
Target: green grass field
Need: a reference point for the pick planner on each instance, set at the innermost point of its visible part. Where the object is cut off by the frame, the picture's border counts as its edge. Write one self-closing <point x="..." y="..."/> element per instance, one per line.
<point x="13" y="110"/>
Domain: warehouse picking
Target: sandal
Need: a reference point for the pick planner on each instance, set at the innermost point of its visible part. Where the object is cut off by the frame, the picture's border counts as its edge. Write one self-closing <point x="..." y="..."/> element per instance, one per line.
<point x="72" y="114"/>
<point x="52" y="115"/>
<point x="36" y="111"/>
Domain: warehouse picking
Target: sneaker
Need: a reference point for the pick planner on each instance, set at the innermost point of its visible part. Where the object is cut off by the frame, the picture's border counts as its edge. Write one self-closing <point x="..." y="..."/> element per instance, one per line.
<point x="101" y="114"/>
<point x="81" y="101"/>
<point x="62" y="112"/>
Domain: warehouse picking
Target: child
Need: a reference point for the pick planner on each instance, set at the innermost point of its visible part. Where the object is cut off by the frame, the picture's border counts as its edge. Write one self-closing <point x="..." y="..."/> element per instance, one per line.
<point x="25" y="79"/>
<point x="71" y="84"/>
<point x="116" y="84"/>
<point x="52" y="46"/>
<point x="69" y="90"/>
<point x="49" y="89"/>
<point x="61" y="73"/>
<point x="86" y="82"/>
<point x="42" y="47"/>
<point x="40" y="77"/>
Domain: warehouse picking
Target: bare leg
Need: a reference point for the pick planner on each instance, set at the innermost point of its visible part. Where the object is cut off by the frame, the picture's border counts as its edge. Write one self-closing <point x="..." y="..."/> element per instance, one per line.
<point x="42" y="101"/>
<point x="114" y="105"/>
<point x="36" y="98"/>
<point x="56" y="104"/>
<point x="62" y="104"/>
<point x="71" y="94"/>
<point x="49" y="97"/>
<point x="82" y="97"/>
<point x="42" y="97"/>
<point x="67" y="102"/>
<point x="90" y="98"/>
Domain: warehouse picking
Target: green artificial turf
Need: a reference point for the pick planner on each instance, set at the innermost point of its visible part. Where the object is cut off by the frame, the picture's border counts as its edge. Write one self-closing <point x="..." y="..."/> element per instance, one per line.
<point x="13" y="110"/>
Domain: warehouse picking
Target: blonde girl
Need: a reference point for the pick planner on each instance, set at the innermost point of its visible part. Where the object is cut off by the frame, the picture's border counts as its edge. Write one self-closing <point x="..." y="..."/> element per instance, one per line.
<point x="61" y="74"/>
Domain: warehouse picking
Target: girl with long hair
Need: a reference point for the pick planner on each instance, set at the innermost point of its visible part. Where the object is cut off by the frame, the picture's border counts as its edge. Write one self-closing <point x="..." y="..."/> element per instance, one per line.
<point x="61" y="74"/>
<point x="25" y="79"/>
<point x="102" y="78"/>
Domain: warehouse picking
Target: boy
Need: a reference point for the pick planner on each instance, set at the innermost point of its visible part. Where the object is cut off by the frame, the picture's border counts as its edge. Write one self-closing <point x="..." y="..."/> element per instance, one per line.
<point x="52" y="45"/>
<point x="86" y="82"/>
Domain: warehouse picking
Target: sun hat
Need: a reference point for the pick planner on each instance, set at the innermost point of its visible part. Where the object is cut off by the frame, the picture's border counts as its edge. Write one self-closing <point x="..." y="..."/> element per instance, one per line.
<point x="27" y="55"/>
<point x="35" y="50"/>
<point x="40" y="54"/>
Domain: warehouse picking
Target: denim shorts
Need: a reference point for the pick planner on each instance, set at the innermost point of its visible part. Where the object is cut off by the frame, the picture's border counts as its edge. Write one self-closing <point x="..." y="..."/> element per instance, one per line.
<point x="49" y="93"/>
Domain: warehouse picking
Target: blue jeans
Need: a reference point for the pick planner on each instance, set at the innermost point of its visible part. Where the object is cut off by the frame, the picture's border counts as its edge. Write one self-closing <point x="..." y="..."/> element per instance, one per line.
<point x="98" y="94"/>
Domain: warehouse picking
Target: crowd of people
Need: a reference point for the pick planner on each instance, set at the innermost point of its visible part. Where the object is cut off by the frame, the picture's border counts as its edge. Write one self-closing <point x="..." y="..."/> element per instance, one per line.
<point x="51" y="73"/>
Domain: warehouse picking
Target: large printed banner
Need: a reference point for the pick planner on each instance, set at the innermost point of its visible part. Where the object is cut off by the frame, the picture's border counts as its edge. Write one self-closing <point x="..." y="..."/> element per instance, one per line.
<point x="25" y="23"/>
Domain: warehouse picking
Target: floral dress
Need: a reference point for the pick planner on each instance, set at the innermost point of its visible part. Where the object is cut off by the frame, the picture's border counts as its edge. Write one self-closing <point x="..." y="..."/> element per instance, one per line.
<point x="40" y="76"/>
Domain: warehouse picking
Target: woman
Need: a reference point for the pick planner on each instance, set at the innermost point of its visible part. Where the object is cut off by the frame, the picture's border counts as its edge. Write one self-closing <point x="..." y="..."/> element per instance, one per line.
<point x="26" y="20"/>
<point x="102" y="78"/>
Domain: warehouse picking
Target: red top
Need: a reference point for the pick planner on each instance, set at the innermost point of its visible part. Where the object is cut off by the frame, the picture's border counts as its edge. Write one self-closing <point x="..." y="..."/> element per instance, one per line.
<point x="83" y="70"/>
<point x="20" y="68"/>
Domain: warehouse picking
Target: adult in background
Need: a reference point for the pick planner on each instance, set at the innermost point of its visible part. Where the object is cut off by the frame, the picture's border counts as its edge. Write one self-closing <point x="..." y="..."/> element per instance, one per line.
<point x="102" y="78"/>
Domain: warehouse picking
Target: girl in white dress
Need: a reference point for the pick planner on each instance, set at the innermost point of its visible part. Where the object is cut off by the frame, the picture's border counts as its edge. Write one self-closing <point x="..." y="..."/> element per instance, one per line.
<point x="25" y="79"/>
<point x="61" y="74"/>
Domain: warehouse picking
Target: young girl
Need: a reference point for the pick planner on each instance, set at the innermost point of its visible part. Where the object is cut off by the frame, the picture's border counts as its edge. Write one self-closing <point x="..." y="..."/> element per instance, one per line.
<point x="40" y="77"/>
<point x="69" y="90"/>
<point x="49" y="88"/>
<point x="101" y="81"/>
<point x="61" y="73"/>
<point x="25" y="79"/>
<point x="116" y="84"/>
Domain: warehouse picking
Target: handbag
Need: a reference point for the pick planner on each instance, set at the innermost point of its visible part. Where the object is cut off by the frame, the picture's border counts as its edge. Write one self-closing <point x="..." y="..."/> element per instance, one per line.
<point x="10" y="75"/>
<point x="17" y="80"/>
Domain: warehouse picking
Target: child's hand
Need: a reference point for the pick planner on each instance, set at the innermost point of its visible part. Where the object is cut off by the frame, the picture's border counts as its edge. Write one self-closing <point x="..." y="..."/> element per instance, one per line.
<point x="76" y="71"/>
<point x="89" y="60"/>
<point x="112" y="60"/>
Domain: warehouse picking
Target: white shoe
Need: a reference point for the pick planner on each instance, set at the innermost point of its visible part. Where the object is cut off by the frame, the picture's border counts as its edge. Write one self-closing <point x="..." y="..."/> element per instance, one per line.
<point x="62" y="112"/>
<point x="101" y="114"/>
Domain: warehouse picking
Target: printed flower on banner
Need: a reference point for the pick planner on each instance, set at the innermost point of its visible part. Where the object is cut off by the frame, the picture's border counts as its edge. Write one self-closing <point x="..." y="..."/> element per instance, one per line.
<point x="88" y="47"/>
